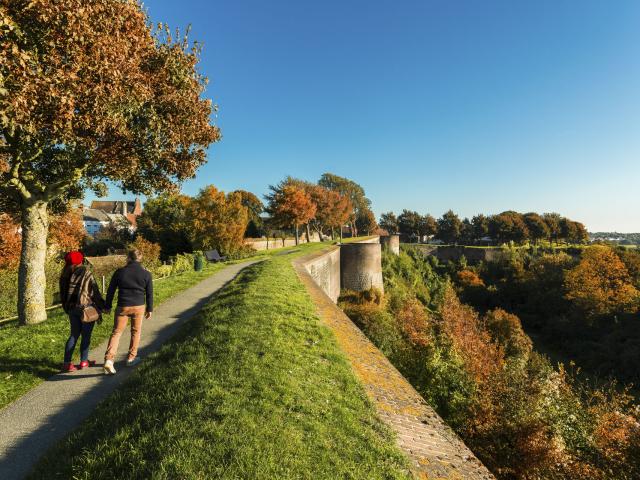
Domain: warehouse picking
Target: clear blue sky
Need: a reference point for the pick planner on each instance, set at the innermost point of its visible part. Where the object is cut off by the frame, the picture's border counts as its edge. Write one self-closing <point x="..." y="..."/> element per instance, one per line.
<point x="478" y="106"/>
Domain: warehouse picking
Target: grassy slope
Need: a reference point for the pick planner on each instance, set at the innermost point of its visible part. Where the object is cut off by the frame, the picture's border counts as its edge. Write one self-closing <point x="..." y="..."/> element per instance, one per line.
<point x="252" y="387"/>
<point x="28" y="355"/>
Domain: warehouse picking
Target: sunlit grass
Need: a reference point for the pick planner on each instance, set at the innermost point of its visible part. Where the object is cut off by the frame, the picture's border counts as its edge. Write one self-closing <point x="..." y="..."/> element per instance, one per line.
<point x="253" y="387"/>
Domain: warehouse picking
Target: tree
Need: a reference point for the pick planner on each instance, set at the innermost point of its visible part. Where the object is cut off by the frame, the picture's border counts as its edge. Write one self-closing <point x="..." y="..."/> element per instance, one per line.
<point x="508" y="226"/>
<point x="290" y="206"/>
<point x="467" y="235"/>
<point x="67" y="231"/>
<point x="505" y="329"/>
<point x="165" y="221"/>
<point x="332" y="210"/>
<point x="427" y="225"/>
<point x="217" y="220"/>
<point x="553" y="223"/>
<point x="366" y="221"/>
<point x="389" y="222"/>
<point x="600" y="284"/>
<point x="254" y="207"/>
<point x="90" y="92"/>
<point x="573" y="232"/>
<point x="409" y="225"/>
<point x="449" y="227"/>
<point x="351" y="190"/>
<point x="480" y="224"/>
<point x="538" y="228"/>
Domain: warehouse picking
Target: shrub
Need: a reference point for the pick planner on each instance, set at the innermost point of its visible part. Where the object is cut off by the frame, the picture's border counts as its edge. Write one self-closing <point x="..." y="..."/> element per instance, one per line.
<point x="505" y="328"/>
<point x="150" y="252"/>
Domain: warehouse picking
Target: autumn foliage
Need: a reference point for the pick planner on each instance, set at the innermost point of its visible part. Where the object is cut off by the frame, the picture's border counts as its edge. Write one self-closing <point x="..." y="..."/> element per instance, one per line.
<point x="521" y="416"/>
<point x="10" y="242"/>
<point x="290" y="205"/>
<point x="217" y="220"/>
<point x="600" y="284"/>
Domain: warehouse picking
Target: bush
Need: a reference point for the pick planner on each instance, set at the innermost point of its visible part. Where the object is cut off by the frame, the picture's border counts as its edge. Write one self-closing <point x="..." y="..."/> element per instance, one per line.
<point x="150" y="252"/>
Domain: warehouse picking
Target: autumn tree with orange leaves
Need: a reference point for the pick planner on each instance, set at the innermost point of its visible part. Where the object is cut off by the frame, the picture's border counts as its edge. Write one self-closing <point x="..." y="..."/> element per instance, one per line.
<point x="89" y="92"/>
<point x="290" y="206"/>
<point x="332" y="210"/>
<point x="66" y="233"/>
<point x="600" y="284"/>
<point x="217" y="220"/>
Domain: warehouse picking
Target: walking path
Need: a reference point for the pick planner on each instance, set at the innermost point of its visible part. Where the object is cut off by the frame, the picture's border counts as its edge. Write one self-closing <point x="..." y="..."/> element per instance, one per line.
<point x="433" y="449"/>
<point x="47" y="413"/>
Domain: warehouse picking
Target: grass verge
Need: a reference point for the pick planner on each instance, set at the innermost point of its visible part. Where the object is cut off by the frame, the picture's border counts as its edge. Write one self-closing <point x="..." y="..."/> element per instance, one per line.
<point x="252" y="387"/>
<point x="33" y="353"/>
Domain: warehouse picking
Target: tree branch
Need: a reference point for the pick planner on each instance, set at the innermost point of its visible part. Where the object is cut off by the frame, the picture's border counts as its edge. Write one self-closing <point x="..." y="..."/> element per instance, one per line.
<point x="56" y="189"/>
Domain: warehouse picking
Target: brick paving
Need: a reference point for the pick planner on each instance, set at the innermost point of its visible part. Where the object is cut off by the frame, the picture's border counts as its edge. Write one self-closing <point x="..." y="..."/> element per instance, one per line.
<point x="433" y="449"/>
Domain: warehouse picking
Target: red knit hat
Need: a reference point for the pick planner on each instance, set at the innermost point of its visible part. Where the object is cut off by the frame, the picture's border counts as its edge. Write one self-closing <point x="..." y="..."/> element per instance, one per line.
<point x="74" y="258"/>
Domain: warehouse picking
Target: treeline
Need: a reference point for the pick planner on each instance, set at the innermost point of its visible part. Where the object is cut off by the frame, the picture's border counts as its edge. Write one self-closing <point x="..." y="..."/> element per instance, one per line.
<point x="212" y="219"/>
<point x="616" y="237"/>
<point x="324" y="207"/>
<point x="521" y="417"/>
<point x="504" y="227"/>
<point x="583" y="306"/>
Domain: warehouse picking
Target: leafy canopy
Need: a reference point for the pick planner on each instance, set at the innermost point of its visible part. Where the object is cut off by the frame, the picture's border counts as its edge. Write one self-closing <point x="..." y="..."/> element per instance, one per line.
<point x="90" y="92"/>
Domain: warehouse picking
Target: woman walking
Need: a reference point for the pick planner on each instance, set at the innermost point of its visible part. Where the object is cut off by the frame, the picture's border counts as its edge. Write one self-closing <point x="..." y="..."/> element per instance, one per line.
<point x="78" y="291"/>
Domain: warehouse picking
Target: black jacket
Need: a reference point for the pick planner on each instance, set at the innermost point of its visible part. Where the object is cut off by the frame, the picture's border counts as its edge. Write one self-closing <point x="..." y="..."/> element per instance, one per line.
<point x="134" y="284"/>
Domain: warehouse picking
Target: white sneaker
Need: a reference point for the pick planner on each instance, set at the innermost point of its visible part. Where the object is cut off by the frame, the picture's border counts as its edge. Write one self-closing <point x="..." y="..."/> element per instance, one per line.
<point x="133" y="361"/>
<point x="108" y="368"/>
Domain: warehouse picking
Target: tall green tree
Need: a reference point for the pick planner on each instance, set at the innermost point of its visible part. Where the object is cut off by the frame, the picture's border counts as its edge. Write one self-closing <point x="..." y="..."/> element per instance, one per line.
<point x="409" y="225"/>
<point x="480" y="225"/>
<point x="449" y="227"/>
<point x="427" y="225"/>
<point x="89" y="92"/>
<point x="165" y="221"/>
<point x="366" y="221"/>
<point x="553" y="224"/>
<point x="255" y="207"/>
<point x="389" y="222"/>
<point x="538" y="228"/>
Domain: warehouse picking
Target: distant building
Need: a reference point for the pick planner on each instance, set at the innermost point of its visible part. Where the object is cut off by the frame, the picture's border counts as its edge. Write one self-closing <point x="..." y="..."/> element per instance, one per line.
<point x="121" y="214"/>
<point x="130" y="209"/>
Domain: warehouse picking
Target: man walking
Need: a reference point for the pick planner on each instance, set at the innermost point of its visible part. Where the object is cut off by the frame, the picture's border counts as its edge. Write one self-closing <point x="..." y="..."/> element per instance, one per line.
<point x="135" y="292"/>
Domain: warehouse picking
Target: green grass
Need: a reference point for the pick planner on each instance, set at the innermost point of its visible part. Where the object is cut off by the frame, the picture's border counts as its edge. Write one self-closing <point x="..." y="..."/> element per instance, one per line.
<point x="252" y="387"/>
<point x="29" y="355"/>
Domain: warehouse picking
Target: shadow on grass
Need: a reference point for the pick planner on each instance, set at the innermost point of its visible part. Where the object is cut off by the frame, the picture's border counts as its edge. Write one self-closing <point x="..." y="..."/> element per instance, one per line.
<point x="22" y="455"/>
<point x="42" y="368"/>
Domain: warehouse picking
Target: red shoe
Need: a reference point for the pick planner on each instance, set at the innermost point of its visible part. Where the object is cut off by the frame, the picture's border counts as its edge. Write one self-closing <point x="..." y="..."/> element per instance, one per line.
<point x="69" y="367"/>
<point x="86" y="363"/>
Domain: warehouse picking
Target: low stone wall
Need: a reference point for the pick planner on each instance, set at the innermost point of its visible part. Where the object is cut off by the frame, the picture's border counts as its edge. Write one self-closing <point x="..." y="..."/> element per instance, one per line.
<point x="324" y="268"/>
<point x="271" y="243"/>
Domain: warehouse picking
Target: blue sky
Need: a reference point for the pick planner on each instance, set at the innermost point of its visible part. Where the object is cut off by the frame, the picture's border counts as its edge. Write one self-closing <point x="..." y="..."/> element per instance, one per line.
<point x="478" y="106"/>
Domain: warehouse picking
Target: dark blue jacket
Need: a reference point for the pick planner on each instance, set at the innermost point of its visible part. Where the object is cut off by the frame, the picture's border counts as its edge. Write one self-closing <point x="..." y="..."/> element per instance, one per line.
<point x="134" y="284"/>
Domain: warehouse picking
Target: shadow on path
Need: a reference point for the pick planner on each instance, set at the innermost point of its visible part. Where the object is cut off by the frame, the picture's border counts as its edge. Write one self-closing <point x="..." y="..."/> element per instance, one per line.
<point x="47" y="413"/>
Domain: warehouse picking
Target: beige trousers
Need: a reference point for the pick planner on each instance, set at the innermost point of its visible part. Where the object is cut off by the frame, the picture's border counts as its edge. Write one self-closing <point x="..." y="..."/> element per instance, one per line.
<point x="122" y="314"/>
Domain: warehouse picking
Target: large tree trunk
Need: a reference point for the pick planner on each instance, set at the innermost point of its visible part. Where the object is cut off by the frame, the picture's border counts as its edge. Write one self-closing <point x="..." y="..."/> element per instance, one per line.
<point x="308" y="232"/>
<point x="297" y="236"/>
<point x="32" y="280"/>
